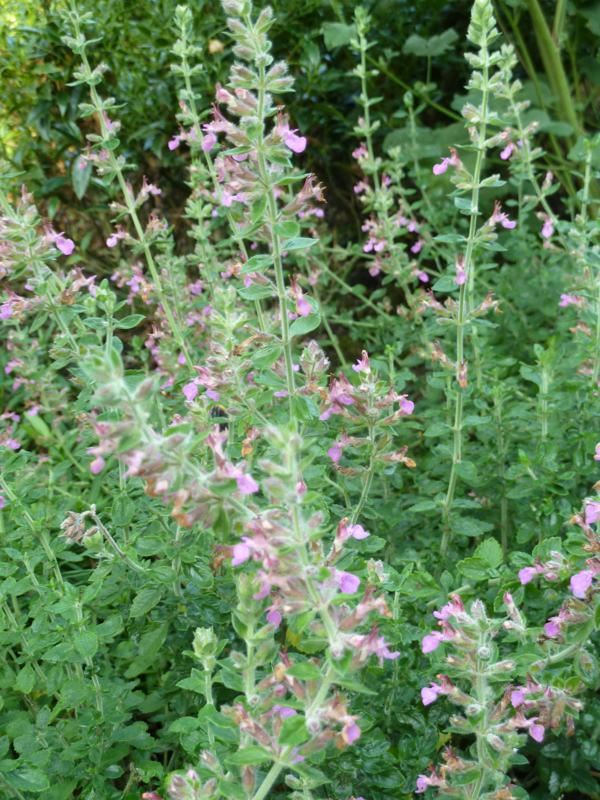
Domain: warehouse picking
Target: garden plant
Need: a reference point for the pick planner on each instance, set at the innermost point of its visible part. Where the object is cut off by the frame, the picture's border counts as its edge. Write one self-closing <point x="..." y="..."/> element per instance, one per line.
<point x="299" y="445"/>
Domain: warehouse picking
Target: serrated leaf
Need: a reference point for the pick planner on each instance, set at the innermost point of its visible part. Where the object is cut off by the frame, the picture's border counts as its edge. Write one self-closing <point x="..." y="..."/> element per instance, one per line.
<point x="28" y="779"/>
<point x="490" y="552"/>
<point x="86" y="643"/>
<point x="305" y="671"/>
<point x="336" y="34"/>
<point x="293" y="731"/>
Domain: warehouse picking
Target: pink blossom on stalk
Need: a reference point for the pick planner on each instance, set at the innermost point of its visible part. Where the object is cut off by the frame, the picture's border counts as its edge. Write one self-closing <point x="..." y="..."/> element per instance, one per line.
<point x="500" y="217"/>
<point x="362" y="365"/>
<point x="339" y="395"/>
<point x="429" y="694"/>
<point x="351" y="732"/>
<point x="274" y="617"/>
<point x="570" y="300"/>
<point x="347" y="582"/>
<point x="592" y="512"/>
<point x="406" y="406"/>
<point x="241" y="552"/>
<point x="547" y="228"/>
<point x="335" y="452"/>
<point x="2" y="502"/>
<point x="432" y="641"/>
<point x="527" y="574"/>
<point x="209" y="141"/>
<point x="60" y="241"/>
<point x="597" y="453"/>
<point x="507" y="152"/>
<point x="450" y="161"/>
<point x="417" y="246"/>
<point x="537" y="731"/>
<point x="302" y="305"/>
<point x="581" y="582"/>
<point x="97" y="465"/>
<point x="517" y="698"/>
<point x="174" y="142"/>
<point x="360" y="152"/>
<point x="552" y="628"/>
<point x="245" y="483"/>
<point x="190" y="390"/>
<point x="461" y="275"/>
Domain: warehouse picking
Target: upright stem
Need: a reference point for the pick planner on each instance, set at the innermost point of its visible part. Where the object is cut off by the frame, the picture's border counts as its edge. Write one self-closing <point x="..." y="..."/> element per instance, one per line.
<point x="465" y="301"/>
<point x="273" y="218"/>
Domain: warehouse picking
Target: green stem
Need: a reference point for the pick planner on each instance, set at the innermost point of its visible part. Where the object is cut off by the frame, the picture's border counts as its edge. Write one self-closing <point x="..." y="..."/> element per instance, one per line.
<point x="464" y="304"/>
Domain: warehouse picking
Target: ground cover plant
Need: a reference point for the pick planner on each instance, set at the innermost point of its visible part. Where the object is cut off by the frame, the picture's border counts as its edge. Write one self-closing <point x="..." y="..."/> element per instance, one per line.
<point x="299" y="488"/>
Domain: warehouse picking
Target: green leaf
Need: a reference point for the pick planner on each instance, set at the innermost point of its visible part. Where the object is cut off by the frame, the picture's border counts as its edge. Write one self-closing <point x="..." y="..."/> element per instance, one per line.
<point x="287" y="229"/>
<point x="249" y="755"/>
<point x="468" y="526"/>
<point x="293" y="731"/>
<point x="128" y="322"/>
<point x="304" y="325"/>
<point x="445" y="284"/>
<point x="489" y="551"/>
<point x="145" y="600"/>
<point x="257" y="291"/>
<point x="28" y="779"/>
<point x="80" y="176"/>
<point x="184" y="725"/>
<point x="336" y="34"/>
<point x="305" y="671"/>
<point x="434" y="46"/>
<point x="258" y="263"/>
<point x="298" y="243"/>
<point x="86" y="643"/>
<point x="25" y="680"/>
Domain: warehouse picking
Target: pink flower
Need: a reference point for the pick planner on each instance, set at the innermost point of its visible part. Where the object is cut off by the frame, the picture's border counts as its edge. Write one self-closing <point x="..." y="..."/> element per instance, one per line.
<point x="570" y="300"/>
<point x="209" y="141"/>
<point x="547" y="228"/>
<point x="358" y="532"/>
<point x="461" y="275"/>
<point x="417" y="246"/>
<point x="347" y="582"/>
<point x="362" y="365"/>
<point x="517" y="698"/>
<point x="335" y="452"/>
<point x="246" y="483"/>
<point x="597" y="453"/>
<point x="422" y="780"/>
<point x="451" y="161"/>
<point x="527" y="574"/>
<point x="406" y="406"/>
<point x="581" y="582"/>
<point x="60" y="241"/>
<point x="284" y="712"/>
<point x="97" y="465"/>
<point x="297" y="144"/>
<point x="537" y="731"/>
<point x="174" y="143"/>
<point x="351" y="732"/>
<point x="552" y="628"/>
<point x="432" y="641"/>
<point x="507" y="152"/>
<point x="274" y="617"/>
<point x="429" y="694"/>
<point x="592" y="512"/>
<point x="190" y="390"/>
<point x="499" y="216"/>
<point x="303" y="306"/>
<point x="241" y="552"/>
<point x="2" y="502"/>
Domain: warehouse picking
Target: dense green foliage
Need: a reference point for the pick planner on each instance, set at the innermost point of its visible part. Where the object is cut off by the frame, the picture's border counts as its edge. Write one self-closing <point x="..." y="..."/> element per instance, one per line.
<point x="112" y="576"/>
